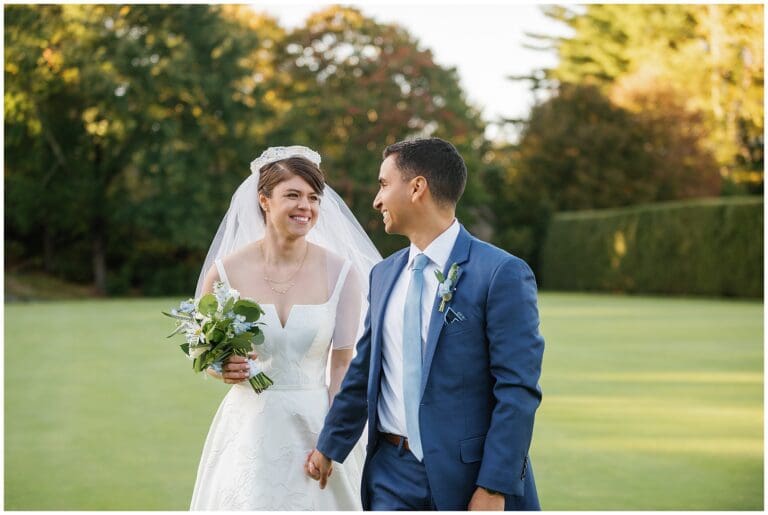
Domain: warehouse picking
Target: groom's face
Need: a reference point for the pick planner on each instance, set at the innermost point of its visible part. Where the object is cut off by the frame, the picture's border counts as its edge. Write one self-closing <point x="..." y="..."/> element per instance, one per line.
<point x="393" y="200"/>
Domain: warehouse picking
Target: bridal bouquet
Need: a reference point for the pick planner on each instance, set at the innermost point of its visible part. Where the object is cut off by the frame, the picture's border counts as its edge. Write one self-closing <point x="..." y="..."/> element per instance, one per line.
<point x="218" y="325"/>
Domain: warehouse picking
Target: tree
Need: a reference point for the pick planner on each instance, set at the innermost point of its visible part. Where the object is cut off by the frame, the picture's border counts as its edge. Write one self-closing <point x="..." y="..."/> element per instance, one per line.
<point x="581" y="151"/>
<point x="350" y="86"/>
<point x="138" y="118"/>
<point x="711" y="53"/>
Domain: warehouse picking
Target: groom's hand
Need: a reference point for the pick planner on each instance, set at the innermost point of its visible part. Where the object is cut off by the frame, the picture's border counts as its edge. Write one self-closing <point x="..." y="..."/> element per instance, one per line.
<point x="483" y="500"/>
<point x="318" y="467"/>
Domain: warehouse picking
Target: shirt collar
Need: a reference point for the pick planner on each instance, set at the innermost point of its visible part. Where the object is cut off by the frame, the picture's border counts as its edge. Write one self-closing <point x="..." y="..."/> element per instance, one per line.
<point x="440" y="249"/>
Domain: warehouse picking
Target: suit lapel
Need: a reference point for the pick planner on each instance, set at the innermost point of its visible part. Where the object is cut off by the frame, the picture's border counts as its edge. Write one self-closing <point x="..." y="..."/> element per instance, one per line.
<point x="459" y="255"/>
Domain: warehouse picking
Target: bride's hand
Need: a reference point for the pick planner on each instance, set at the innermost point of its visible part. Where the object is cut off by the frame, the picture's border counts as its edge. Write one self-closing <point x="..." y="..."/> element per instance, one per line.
<point x="318" y="467"/>
<point x="235" y="369"/>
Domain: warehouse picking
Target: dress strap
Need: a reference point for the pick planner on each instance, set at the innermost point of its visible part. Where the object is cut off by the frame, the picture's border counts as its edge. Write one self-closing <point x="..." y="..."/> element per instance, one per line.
<point x="222" y="273"/>
<point x="340" y="280"/>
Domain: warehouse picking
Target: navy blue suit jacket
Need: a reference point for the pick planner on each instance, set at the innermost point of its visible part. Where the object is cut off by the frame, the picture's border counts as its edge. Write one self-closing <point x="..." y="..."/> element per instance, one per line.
<point x="480" y="379"/>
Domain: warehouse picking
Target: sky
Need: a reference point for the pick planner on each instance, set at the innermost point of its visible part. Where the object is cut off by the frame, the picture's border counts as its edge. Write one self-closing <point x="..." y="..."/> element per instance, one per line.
<point x="483" y="41"/>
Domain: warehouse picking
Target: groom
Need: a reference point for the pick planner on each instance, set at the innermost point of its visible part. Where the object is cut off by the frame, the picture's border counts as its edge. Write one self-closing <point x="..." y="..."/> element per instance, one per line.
<point x="446" y="372"/>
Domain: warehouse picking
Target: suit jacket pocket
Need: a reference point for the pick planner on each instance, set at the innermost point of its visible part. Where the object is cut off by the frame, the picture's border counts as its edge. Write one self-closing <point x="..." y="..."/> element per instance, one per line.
<point x="472" y="449"/>
<point x="457" y="328"/>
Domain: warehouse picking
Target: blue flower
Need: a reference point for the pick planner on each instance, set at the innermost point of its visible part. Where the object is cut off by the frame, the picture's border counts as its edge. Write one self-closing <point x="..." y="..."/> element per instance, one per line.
<point x="188" y="306"/>
<point x="239" y="325"/>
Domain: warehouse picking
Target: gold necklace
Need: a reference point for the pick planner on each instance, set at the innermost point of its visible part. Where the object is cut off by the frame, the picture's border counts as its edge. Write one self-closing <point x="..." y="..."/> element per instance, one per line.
<point x="288" y="281"/>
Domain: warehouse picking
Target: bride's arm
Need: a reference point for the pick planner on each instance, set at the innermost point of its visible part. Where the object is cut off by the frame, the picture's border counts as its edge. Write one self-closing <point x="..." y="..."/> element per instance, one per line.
<point x="345" y="331"/>
<point x="340" y="360"/>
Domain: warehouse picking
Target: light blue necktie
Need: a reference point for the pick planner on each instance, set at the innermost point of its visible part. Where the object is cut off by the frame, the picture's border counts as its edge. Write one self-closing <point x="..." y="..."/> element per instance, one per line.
<point x="412" y="355"/>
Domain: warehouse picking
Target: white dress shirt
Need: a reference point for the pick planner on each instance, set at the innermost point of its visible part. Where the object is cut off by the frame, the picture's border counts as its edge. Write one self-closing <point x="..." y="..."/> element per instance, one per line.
<point x="391" y="407"/>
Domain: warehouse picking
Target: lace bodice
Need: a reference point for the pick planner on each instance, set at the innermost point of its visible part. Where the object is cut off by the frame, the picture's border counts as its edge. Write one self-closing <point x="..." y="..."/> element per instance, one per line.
<point x="295" y="356"/>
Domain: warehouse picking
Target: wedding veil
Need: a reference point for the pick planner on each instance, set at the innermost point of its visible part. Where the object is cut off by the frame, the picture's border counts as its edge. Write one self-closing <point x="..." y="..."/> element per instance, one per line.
<point x="336" y="229"/>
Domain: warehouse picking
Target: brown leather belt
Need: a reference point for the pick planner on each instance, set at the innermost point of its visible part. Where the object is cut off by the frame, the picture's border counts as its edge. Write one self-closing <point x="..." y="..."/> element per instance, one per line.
<point x="395" y="440"/>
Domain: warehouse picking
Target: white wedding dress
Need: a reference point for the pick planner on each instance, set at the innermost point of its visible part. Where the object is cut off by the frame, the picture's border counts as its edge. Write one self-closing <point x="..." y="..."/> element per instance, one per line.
<point x="254" y="455"/>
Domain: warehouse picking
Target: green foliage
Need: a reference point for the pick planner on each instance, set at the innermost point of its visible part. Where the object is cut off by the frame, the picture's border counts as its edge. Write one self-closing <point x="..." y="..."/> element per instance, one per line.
<point x="247" y="308"/>
<point x="705" y="247"/>
<point x="579" y="150"/>
<point x="129" y="127"/>
<point x="712" y="54"/>
<point x="208" y="304"/>
<point x="649" y="403"/>
<point x="350" y="86"/>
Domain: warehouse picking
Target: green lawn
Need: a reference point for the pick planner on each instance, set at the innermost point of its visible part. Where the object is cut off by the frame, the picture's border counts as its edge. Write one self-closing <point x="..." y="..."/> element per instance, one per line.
<point x="649" y="403"/>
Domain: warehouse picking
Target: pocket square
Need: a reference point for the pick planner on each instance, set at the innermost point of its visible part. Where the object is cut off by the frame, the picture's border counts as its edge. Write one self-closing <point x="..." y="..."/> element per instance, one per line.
<point x="452" y="316"/>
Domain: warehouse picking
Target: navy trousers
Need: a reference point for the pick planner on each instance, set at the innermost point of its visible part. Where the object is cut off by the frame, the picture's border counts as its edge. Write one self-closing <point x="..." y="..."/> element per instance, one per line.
<point x="396" y="480"/>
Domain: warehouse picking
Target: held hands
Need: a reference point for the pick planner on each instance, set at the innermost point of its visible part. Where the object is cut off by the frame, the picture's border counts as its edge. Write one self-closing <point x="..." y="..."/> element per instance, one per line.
<point x="482" y="500"/>
<point x="235" y="369"/>
<point x="318" y="467"/>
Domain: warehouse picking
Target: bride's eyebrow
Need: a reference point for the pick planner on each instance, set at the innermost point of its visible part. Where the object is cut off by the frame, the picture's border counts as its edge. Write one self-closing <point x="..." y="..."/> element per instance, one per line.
<point x="292" y="190"/>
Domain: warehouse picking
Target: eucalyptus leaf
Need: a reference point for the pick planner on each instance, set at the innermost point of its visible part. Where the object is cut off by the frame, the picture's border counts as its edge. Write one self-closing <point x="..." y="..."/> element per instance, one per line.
<point x="208" y="304"/>
<point x="249" y="309"/>
<point x="257" y="338"/>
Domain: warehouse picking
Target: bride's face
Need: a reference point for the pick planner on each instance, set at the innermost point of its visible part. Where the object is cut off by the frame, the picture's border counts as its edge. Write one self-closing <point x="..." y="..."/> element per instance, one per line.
<point x="293" y="208"/>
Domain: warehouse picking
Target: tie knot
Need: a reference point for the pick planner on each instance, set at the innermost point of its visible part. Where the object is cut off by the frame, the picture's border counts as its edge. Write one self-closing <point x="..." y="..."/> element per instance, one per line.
<point x="420" y="261"/>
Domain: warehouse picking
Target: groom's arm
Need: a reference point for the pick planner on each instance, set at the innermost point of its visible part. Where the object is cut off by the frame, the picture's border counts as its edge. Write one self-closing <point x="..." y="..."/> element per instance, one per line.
<point x="348" y="413"/>
<point x="515" y="352"/>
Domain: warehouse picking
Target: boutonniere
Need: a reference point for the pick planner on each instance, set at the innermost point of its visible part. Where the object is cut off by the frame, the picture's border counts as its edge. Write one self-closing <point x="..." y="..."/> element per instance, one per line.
<point x="447" y="285"/>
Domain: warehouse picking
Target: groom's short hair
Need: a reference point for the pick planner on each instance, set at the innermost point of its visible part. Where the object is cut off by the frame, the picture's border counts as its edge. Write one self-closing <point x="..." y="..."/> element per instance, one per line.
<point x="437" y="161"/>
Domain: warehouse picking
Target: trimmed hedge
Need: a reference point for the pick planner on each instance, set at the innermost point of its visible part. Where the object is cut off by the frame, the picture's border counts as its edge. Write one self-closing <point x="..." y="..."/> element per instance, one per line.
<point x="706" y="247"/>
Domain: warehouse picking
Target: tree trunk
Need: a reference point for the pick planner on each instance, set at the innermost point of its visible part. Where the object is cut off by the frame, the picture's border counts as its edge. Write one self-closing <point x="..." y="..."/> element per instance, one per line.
<point x="99" y="262"/>
<point x="98" y="226"/>
<point x="48" y="254"/>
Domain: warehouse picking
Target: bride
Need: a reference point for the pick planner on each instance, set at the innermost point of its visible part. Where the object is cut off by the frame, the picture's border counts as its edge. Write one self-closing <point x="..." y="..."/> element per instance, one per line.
<point x="290" y="243"/>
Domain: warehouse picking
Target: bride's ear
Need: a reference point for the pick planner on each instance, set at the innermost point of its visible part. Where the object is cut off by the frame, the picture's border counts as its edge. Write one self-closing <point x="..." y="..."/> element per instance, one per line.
<point x="263" y="202"/>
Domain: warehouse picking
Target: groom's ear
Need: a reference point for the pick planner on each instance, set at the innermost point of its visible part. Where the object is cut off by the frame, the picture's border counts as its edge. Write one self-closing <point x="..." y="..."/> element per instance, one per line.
<point x="419" y="187"/>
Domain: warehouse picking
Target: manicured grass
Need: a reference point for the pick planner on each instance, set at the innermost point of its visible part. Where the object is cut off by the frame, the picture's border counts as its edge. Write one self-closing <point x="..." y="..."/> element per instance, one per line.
<point x="649" y="403"/>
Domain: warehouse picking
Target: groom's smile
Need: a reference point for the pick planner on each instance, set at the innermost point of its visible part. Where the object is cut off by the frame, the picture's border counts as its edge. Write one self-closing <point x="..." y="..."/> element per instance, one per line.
<point x="392" y="199"/>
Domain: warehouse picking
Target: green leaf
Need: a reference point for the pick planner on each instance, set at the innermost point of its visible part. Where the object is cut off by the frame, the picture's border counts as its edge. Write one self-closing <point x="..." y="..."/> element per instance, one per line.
<point x="228" y="305"/>
<point x="214" y="335"/>
<point x="249" y="309"/>
<point x="242" y="342"/>
<point x="176" y="331"/>
<point x="257" y="338"/>
<point x="177" y="317"/>
<point x="185" y="348"/>
<point x="208" y="304"/>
